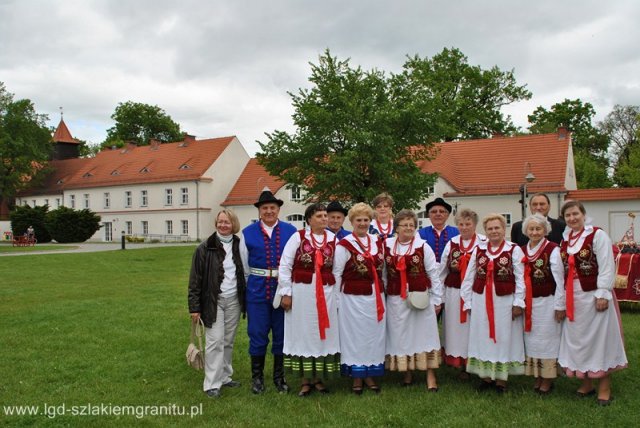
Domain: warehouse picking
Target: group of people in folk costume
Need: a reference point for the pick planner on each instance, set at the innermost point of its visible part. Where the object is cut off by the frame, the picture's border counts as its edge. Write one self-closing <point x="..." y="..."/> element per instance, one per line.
<point x="362" y="302"/>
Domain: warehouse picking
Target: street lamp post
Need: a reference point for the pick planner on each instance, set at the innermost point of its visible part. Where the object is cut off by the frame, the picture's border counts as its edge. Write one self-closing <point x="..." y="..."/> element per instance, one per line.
<point x="528" y="178"/>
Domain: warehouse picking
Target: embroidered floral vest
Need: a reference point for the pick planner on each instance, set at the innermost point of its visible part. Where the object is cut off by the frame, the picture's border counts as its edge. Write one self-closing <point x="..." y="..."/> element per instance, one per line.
<point x="416" y="274"/>
<point x="304" y="262"/>
<point x="541" y="277"/>
<point x="504" y="279"/>
<point x="585" y="262"/>
<point x="357" y="277"/>
<point x="453" y="278"/>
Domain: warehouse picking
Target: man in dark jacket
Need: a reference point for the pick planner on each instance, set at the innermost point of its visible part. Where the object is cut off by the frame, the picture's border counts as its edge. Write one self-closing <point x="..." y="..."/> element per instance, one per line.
<point x="539" y="203"/>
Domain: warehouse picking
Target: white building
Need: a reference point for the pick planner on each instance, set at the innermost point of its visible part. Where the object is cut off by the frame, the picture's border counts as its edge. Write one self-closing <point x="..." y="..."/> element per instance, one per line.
<point x="161" y="191"/>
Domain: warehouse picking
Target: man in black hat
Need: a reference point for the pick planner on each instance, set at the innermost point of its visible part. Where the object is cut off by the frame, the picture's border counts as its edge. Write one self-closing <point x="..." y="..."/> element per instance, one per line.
<point x="438" y="234"/>
<point x="337" y="214"/>
<point x="264" y="241"/>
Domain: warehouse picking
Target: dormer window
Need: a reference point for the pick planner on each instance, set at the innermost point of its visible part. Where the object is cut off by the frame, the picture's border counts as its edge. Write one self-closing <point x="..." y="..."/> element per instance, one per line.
<point x="60" y="181"/>
<point x="87" y="175"/>
<point x="184" y="166"/>
<point x="144" y="170"/>
<point x="115" y="172"/>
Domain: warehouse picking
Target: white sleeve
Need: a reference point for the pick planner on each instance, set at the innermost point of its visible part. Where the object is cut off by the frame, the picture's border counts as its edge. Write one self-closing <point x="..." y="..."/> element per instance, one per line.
<point x="286" y="265"/>
<point x="432" y="268"/>
<point x="339" y="261"/>
<point x="518" y="271"/>
<point x="557" y="270"/>
<point x="603" y="248"/>
<point x="244" y="256"/>
<point x="443" y="266"/>
<point x="466" y="288"/>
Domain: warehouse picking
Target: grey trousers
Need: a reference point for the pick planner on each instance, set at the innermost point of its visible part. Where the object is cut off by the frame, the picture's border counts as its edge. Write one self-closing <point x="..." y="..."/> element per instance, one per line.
<point x="219" y="343"/>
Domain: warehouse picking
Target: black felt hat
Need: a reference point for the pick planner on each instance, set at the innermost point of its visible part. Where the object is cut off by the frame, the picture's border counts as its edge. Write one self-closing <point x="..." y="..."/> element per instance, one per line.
<point x="335" y="206"/>
<point x="266" y="197"/>
<point x="438" y="202"/>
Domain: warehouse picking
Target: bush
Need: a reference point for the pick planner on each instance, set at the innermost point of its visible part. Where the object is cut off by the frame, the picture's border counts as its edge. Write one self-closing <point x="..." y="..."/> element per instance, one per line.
<point x="24" y="216"/>
<point x="68" y="225"/>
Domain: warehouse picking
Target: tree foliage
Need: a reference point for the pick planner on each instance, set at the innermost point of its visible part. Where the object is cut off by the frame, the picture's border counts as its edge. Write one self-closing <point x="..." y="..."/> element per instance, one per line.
<point x="139" y="123"/>
<point x="68" y="225"/>
<point x="359" y="133"/>
<point x="24" y="216"/>
<point x="25" y="145"/>
<point x="622" y="129"/>
<point x="589" y="145"/>
<point x="465" y="99"/>
<point x="355" y="132"/>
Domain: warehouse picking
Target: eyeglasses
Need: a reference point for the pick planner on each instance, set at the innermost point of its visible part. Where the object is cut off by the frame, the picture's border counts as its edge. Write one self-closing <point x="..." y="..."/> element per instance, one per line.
<point x="438" y="212"/>
<point x="407" y="226"/>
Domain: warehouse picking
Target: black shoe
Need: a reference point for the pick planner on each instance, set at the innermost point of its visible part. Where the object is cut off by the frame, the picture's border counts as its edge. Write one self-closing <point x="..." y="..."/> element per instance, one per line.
<point x="281" y="385"/>
<point x="213" y="393"/>
<point x="433" y="389"/>
<point x="485" y="386"/>
<point x="257" y="386"/>
<point x="586" y="394"/>
<point x="501" y="389"/>
<point x="257" y="376"/>
<point x="231" y="384"/>
<point x="604" y="403"/>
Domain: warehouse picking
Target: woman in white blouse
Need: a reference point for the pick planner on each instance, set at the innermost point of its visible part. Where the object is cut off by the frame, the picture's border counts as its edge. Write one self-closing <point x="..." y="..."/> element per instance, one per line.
<point x="591" y="346"/>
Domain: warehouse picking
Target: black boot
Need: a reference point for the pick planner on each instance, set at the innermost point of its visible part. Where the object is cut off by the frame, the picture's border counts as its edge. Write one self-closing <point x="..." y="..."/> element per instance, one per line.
<point x="278" y="374"/>
<point x="257" y="376"/>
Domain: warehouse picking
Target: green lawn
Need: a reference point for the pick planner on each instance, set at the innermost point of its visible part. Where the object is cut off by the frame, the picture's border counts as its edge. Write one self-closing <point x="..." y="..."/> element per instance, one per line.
<point x="111" y="328"/>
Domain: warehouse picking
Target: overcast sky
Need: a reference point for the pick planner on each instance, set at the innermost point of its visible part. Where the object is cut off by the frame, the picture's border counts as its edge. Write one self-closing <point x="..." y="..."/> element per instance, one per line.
<point x="224" y="67"/>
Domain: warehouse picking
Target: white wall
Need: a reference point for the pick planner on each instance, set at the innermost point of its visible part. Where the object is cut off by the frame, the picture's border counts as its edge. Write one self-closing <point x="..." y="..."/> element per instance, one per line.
<point x="612" y="216"/>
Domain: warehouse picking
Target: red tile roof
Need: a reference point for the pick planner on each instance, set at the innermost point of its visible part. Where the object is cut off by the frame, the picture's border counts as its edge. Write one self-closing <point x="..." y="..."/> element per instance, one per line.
<point x="610" y="194"/>
<point x="135" y="165"/>
<point x="498" y="165"/>
<point x="253" y="179"/>
<point x="62" y="134"/>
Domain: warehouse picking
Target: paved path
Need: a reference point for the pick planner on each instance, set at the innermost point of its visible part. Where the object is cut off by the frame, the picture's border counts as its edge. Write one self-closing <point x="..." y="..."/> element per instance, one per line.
<point x="88" y="247"/>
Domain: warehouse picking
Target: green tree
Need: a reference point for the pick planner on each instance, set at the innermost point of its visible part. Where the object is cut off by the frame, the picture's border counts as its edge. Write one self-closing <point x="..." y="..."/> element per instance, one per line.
<point x="24" y="216"/>
<point x="589" y="145"/>
<point x="358" y="134"/>
<point x="140" y="123"/>
<point x="25" y="145"/>
<point x="464" y="99"/>
<point x="69" y="225"/>
<point x="622" y="129"/>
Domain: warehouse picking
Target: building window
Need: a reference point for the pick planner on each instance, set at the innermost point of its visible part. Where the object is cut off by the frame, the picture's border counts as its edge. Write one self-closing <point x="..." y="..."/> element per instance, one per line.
<point x="168" y="196"/>
<point x="34" y="202"/>
<point x="144" y="198"/>
<point x="107" y="200"/>
<point x="86" y="201"/>
<point x="145" y="227"/>
<point x="169" y="227"/>
<point x="430" y="190"/>
<point x="184" y="193"/>
<point x="297" y="220"/>
<point x="129" y="226"/>
<point x="507" y="217"/>
<point x="57" y="202"/>
<point x="72" y="201"/>
<point x="46" y="201"/>
<point x="296" y="193"/>
<point x="127" y="199"/>
<point x="185" y="227"/>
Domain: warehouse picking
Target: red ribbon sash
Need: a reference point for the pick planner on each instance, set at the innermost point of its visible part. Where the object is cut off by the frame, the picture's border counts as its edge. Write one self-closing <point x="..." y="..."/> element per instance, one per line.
<point x="401" y="266"/>
<point x="569" y="287"/>
<point x="528" y="298"/>
<point x="321" y="303"/>
<point x="376" y="280"/>
<point x="488" y="298"/>
<point x="464" y="262"/>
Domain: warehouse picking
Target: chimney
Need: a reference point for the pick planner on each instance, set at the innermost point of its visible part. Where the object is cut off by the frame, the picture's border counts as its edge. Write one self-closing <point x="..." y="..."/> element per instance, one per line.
<point x="188" y="138"/>
<point x="497" y="135"/>
<point x="155" y="144"/>
<point x="562" y="133"/>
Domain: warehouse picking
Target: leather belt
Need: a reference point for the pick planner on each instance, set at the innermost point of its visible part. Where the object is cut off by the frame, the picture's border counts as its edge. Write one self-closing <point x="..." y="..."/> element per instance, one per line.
<point x="269" y="273"/>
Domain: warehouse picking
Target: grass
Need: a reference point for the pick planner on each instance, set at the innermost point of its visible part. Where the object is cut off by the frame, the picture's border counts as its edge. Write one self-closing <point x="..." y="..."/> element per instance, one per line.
<point x="112" y="328"/>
